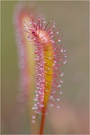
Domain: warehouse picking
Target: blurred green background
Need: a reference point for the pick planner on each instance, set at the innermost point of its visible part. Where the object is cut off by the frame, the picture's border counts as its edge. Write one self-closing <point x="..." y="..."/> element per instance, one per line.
<point x="73" y="117"/>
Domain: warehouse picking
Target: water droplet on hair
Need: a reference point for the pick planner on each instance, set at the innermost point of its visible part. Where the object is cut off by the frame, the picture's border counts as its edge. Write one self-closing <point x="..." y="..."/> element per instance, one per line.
<point x="59" y="40"/>
<point x="33" y="108"/>
<point x="58" y="107"/>
<point x="65" y="56"/>
<point x="33" y="121"/>
<point x="54" y="26"/>
<point x="59" y="86"/>
<point x="35" y="99"/>
<point x="35" y="105"/>
<point x="44" y="22"/>
<point x="48" y="68"/>
<point x="61" y="50"/>
<point x="61" y="81"/>
<point x="51" y="32"/>
<point x="51" y="105"/>
<point x="33" y="116"/>
<point x="41" y="105"/>
<point x="57" y="32"/>
<point x="62" y="74"/>
<point x="60" y="92"/>
<point x="51" y="97"/>
<point x="30" y="22"/>
<point x="64" y="62"/>
<point x="64" y="50"/>
<point x="58" y="99"/>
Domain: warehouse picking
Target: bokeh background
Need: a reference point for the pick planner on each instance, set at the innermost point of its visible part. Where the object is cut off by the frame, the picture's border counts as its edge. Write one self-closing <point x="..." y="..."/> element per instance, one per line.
<point x="73" y="116"/>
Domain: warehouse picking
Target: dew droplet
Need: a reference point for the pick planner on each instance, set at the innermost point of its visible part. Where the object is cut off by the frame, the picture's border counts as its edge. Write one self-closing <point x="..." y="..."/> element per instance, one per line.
<point x="61" y="81"/>
<point x="52" y="41"/>
<point x="59" y="86"/>
<point x="33" y="121"/>
<point x="51" y="105"/>
<point x="60" y="92"/>
<point x="64" y="62"/>
<point x="64" y="50"/>
<point x="61" y="50"/>
<point x="35" y="99"/>
<point x="62" y="74"/>
<point x="51" y="32"/>
<point x="59" y="40"/>
<point x="48" y="68"/>
<point x="44" y="22"/>
<point x="35" y="105"/>
<point x="41" y="105"/>
<point x="58" y="99"/>
<point x="57" y="32"/>
<point x="58" y="107"/>
<point x="33" y="108"/>
<point x="33" y="116"/>
<point x="54" y="26"/>
<point x="38" y="112"/>
<point x="52" y="36"/>
<point x="30" y="22"/>
<point x="65" y="56"/>
<point x="51" y="97"/>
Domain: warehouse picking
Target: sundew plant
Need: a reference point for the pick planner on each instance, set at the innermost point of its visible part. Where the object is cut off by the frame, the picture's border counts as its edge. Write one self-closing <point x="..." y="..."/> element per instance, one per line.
<point x="41" y="57"/>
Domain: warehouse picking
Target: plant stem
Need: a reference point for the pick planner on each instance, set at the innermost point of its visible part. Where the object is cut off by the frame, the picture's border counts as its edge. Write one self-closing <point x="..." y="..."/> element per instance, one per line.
<point x="42" y="121"/>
